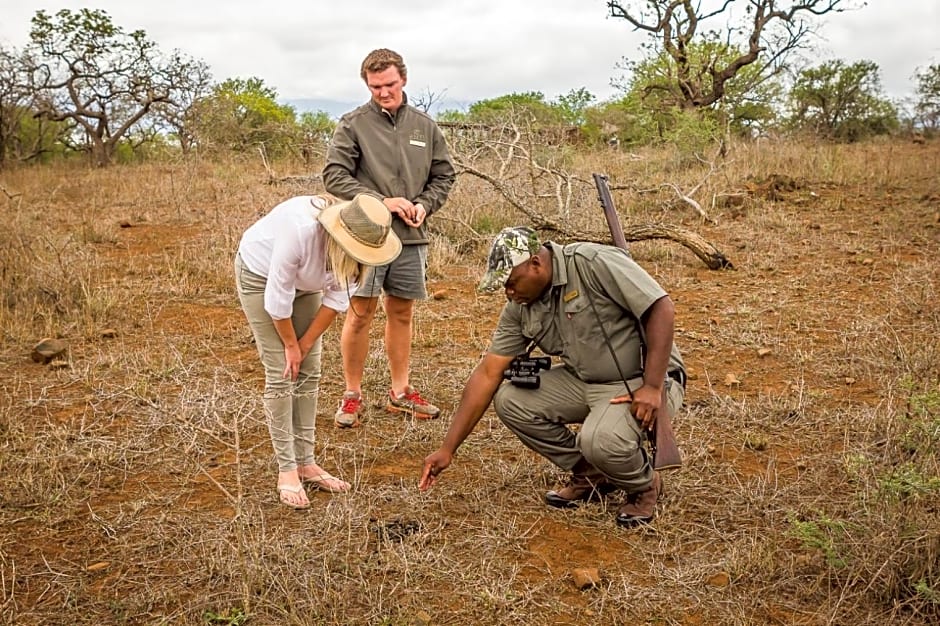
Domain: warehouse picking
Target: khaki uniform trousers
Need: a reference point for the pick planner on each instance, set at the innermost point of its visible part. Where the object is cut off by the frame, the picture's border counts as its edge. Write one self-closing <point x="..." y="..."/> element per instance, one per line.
<point x="610" y="438"/>
<point x="290" y="406"/>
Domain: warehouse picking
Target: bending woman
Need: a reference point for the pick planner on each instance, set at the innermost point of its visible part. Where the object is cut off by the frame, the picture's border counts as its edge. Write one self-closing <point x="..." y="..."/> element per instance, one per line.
<point x="294" y="271"/>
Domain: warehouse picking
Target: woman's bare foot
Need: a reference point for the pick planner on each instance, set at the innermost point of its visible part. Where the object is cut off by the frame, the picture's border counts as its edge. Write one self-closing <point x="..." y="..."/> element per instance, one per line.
<point x="290" y="491"/>
<point x="323" y="480"/>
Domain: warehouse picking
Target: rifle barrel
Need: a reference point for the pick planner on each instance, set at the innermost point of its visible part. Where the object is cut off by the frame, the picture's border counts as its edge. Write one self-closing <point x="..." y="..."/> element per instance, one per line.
<point x="610" y="213"/>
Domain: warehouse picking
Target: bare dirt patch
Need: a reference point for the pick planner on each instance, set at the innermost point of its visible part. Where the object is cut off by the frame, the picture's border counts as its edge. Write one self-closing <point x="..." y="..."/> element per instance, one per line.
<point x="137" y="484"/>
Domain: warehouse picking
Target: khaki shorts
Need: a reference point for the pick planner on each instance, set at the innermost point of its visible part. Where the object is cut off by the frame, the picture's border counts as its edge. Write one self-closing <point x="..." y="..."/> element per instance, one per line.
<point x="403" y="278"/>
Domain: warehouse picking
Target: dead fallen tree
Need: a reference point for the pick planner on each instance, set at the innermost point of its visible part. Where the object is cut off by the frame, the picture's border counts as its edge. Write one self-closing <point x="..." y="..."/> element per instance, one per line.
<point x="546" y="186"/>
<point x="711" y="256"/>
<point x="523" y="172"/>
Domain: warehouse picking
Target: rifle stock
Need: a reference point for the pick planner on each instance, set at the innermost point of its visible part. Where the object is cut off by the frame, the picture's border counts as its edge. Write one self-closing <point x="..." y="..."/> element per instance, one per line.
<point x="665" y="451"/>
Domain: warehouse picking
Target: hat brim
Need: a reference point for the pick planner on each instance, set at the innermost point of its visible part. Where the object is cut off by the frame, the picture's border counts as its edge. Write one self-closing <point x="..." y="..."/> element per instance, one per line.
<point x="367" y="255"/>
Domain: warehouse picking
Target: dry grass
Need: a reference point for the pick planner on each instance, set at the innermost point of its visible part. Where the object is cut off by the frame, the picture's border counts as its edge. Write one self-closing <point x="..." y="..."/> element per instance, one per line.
<point x="137" y="480"/>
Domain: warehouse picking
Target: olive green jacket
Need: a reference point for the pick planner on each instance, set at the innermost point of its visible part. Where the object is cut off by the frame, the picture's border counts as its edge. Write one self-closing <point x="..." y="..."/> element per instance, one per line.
<point x="402" y="155"/>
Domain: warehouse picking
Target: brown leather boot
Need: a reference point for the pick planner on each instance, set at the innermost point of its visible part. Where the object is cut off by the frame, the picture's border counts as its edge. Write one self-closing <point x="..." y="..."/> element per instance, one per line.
<point x="587" y="484"/>
<point x="640" y="508"/>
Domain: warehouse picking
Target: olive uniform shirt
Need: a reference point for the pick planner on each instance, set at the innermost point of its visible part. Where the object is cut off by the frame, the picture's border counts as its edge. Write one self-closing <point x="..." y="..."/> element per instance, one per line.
<point x="563" y="323"/>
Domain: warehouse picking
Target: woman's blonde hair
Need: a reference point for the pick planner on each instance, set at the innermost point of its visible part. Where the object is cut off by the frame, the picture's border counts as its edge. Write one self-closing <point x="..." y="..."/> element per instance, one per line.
<point x="345" y="268"/>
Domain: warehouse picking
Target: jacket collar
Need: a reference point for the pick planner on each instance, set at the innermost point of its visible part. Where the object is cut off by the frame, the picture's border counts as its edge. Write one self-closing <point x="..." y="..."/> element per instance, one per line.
<point x="559" y="271"/>
<point x="404" y="104"/>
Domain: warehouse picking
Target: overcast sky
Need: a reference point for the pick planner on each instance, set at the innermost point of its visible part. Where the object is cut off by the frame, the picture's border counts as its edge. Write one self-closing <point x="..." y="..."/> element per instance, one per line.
<point x="467" y="51"/>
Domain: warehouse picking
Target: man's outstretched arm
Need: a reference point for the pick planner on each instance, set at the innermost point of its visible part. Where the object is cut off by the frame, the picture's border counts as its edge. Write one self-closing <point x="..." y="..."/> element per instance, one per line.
<point x="476" y="397"/>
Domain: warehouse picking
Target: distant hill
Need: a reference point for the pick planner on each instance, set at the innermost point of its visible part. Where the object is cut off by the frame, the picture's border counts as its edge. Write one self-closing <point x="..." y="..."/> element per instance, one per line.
<point x="333" y="108"/>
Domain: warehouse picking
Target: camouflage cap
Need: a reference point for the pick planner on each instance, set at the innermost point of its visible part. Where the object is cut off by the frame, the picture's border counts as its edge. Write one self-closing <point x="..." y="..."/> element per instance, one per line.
<point x="511" y="247"/>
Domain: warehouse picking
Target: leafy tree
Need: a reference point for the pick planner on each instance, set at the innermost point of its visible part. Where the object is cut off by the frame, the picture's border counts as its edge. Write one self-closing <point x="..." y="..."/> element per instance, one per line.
<point x="616" y="122"/>
<point x="747" y="102"/>
<point x="843" y="102"/>
<point x="242" y="114"/>
<point x="14" y="100"/>
<point x="99" y="78"/>
<point x="630" y="121"/>
<point x="529" y="106"/>
<point x="316" y="129"/>
<point x="927" y="108"/>
<point x="766" y="32"/>
<point x="317" y="126"/>
<point x="177" y="116"/>
<point x="574" y="104"/>
<point x="23" y="135"/>
<point x="40" y="139"/>
<point x="453" y="115"/>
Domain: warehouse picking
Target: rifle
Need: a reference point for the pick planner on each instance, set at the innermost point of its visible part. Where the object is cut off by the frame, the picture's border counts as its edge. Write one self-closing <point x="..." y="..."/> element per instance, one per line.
<point x="662" y="439"/>
<point x="607" y="203"/>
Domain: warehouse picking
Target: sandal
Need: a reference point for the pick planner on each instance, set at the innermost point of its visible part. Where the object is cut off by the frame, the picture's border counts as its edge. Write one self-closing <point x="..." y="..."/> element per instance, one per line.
<point x="293" y="489"/>
<point x="327" y="482"/>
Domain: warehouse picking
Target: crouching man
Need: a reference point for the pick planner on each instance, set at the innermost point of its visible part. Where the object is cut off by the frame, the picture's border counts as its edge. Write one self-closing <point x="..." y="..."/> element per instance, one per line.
<point x="611" y="324"/>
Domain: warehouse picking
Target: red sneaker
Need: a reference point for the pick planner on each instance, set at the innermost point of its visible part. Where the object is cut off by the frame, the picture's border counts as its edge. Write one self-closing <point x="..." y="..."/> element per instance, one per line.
<point x="347" y="416"/>
<point x="412" y="403"/>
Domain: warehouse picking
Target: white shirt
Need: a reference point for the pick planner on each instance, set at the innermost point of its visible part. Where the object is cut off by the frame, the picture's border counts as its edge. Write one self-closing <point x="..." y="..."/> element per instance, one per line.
<point x="288" y="247"/>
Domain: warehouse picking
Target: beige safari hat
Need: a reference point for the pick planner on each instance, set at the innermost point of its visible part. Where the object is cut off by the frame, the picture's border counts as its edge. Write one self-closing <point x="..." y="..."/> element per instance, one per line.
<point x="363" y="227"/>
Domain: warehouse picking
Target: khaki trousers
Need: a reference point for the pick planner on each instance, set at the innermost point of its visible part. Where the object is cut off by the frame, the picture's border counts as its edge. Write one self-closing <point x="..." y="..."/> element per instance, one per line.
<point x="610" y="438"/>
<point x="290" y="406"/>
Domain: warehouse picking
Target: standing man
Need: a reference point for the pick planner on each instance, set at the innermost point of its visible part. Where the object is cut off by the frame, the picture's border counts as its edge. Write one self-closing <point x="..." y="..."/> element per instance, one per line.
<point x="610" y="322"/>
<point x="395" y="152"/>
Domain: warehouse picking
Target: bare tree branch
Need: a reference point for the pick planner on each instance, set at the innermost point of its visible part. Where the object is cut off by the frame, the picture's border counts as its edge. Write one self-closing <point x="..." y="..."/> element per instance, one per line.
<point x="511" y="162"/>
<point x="9" y="195"/>
<point x="677" y="24"/>
<point x="426" y="100"/>
<point x="690" y="201"/>
<point x="713" y="258"/>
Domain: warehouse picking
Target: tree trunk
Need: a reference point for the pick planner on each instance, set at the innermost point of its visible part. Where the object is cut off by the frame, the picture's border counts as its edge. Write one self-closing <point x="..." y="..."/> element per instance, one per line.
<point x="713" y="258"/>
<point x="709" y="254"/>
<point x="100" y="152"/>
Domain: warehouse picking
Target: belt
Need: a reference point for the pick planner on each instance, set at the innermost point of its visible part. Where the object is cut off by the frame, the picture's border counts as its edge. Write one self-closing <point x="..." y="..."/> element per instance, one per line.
<point x="678" y="376"/>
